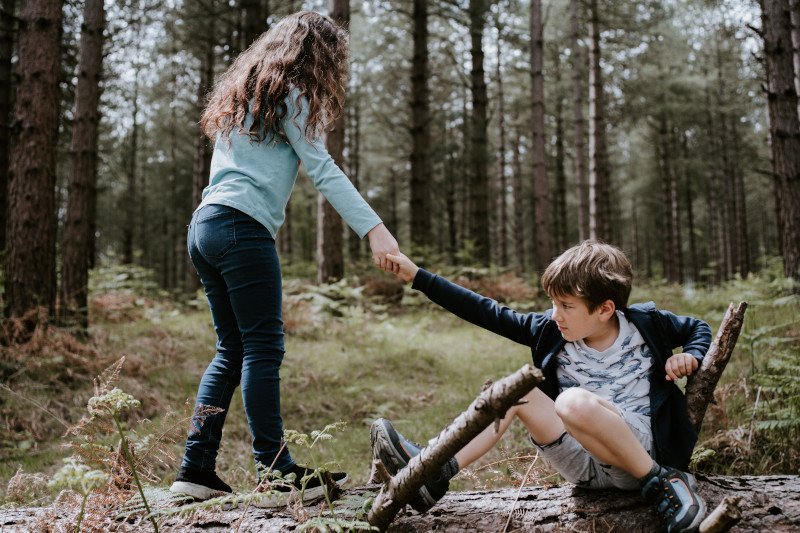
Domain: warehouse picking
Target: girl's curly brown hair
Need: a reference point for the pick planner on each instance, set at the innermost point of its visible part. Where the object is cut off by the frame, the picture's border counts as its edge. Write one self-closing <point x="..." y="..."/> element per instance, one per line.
<point x="305" y="50"/>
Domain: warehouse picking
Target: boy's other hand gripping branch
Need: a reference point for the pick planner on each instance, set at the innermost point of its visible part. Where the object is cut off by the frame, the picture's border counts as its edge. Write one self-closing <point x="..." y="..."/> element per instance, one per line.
<point x="406" y="269"/>
<point x="680" y="365"/>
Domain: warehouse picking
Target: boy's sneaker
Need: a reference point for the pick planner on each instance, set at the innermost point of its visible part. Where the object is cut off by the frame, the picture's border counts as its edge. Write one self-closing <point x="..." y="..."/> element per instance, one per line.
<point x="395" y="452"/>
<point x="199" y="484"/>
<point x="674" y="495"/>
<point x="298" y="484"/>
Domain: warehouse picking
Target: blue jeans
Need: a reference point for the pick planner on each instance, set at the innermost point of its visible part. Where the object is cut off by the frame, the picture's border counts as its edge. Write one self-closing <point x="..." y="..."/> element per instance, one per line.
<point x="237" y="262"/>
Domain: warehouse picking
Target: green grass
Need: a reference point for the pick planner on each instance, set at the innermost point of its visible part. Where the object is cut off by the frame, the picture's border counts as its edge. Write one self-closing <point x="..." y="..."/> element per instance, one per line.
<point x="415" y="364"/>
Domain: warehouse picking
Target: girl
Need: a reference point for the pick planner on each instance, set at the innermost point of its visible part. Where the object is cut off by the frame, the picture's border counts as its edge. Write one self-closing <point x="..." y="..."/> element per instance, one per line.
<point x="266" y="114"/>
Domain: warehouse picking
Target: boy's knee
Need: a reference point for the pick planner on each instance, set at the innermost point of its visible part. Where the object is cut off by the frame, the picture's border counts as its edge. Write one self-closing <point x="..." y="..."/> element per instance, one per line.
<point x="576" y="406"/>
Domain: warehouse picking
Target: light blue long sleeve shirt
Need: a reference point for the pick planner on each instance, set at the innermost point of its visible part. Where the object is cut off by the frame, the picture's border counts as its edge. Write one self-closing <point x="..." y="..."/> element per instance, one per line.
<point x="257" y="178"/>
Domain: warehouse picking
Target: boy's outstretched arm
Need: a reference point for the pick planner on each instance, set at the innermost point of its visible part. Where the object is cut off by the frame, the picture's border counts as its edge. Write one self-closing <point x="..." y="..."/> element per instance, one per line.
<point x="470" y="306"/>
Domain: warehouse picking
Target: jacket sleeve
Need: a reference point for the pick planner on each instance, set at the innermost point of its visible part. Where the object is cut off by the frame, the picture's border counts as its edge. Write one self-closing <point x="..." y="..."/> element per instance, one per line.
<point x="690" y="334"/>
<point x="479" y="310"/>
<point x="327" y="177"/>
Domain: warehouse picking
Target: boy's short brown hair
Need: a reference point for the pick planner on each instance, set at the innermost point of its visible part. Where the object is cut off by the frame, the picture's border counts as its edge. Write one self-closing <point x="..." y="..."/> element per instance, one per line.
<point x="592" y="270"/>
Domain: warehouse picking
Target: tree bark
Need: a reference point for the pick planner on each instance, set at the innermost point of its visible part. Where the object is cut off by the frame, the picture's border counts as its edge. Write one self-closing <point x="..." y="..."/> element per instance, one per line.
<point x="700" y="388"/>
<point x="420" y="195"/>
<point x="492" y="404"/>
<point x="478" y="221"/>
<point x="77" y="234"/>
<point x="541" y="189"/>
<point x="784" y="125"/>
<point x="330" y="238"/>
<point x="578" y="69"/>
<point x="599" y="191"/>
<point x="30" y="275"/>
<point x="6" y="99"/>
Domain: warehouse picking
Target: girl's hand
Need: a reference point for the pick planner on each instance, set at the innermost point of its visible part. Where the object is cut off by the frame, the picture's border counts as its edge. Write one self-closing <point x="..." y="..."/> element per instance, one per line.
<point x="382" y="242"/>
<point x="680" y="365"/>
<point x="406" y="269"/>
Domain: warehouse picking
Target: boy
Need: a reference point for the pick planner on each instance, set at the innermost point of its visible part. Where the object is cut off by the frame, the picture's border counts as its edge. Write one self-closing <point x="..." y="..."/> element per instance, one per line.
<point x="608" y="408"/>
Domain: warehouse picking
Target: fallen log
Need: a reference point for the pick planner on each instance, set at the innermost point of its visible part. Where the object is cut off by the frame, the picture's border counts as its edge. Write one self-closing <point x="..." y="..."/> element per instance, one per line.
<point x="768" y="503"/>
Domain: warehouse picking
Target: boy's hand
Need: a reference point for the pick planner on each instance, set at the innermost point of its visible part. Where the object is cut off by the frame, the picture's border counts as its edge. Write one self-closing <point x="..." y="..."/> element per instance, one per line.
<point x="406" y="269"/>
<point x="680" y="365"/>
<point x="382" y="242"/>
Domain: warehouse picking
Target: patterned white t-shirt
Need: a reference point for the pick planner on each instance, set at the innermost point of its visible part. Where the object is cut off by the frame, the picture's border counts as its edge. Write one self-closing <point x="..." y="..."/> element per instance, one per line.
<point x="619" y="374"/>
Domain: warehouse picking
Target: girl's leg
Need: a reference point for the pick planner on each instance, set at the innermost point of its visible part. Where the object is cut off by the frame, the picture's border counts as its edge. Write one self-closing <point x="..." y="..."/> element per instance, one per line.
<point x="539" y="417"/>
<point x="251" y="271"/>
<point x="597" y="425"/>
<point x="223" y="373"/>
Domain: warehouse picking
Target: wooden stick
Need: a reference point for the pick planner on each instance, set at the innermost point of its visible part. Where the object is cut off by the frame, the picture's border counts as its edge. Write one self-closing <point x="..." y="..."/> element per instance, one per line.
<point x="724" y="517"/>
<point x="491" y="404"/>
<point x="700" y="388"/>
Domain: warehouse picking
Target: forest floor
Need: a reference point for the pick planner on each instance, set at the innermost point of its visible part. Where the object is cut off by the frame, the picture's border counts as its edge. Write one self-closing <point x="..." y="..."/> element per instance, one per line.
<point x="354" y="353"/>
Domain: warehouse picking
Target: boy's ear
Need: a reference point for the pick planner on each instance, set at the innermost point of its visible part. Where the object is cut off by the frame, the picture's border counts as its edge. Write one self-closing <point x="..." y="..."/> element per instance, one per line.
<point x="607" y="309"/>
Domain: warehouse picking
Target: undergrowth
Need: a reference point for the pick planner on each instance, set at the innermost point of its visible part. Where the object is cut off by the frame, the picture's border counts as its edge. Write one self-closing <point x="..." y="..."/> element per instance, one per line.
<point x="356" y="350"/>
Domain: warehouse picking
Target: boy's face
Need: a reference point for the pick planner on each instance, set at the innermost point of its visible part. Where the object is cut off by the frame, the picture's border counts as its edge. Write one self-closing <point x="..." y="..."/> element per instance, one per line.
<point x="574" y="320"/>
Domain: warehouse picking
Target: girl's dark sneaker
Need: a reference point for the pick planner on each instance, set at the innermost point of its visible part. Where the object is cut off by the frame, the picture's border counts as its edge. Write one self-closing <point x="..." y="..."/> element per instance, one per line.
<point x="199" y="484"/>
<point x="301" y="483"/>
<point x="674" y="495"/>
<point x="395" y="452"/>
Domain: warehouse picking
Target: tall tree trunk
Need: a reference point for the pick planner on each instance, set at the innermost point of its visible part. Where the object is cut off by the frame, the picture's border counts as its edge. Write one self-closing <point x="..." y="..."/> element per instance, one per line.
<point x="132" y="199"/>
<point x="450" y="196"/>
<point x="478" y="222"/>
<point x="561" y="181"/>
<point x="202" y="149"/>
<point x="784" y="125"/>
<point x="420" y="196"/>
<point x="77" y="234"/>
<point x="30" y="275"/>
<point x="578" y="69"/>
<point x="254" y="23"/>
<point x="795" y="7"/>
<point x="354" y="165"/>
<point x="6" y="93"/>
<point x="519" y="215"/>
<point x="688" y="200"/>
<point x="715" y="239"/>
<point x="330" y="257"/>
<point x="599" y="189"/>
<point x="663" y="158"/>
<point x="740" y="207"/>
<point x="502" y="204"/>
<point x="541" y="189"/>
<point x="674" y="207"/>
<point x="727" y="230"/>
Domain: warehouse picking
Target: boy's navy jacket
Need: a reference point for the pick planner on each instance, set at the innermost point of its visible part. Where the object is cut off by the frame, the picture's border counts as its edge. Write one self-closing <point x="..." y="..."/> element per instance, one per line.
<point x="673" y="435"/>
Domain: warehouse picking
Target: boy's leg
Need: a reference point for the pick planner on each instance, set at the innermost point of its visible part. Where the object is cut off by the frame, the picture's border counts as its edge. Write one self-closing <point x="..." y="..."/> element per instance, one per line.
<point x="539" y="416"/>
<point x="598" y="426"/>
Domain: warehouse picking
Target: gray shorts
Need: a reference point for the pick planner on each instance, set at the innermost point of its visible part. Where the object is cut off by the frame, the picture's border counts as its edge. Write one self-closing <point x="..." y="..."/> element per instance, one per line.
<point x="576" y="465"/>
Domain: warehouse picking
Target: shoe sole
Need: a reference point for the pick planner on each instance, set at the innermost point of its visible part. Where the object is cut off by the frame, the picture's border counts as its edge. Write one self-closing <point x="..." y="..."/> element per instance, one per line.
<point x="272" y="499"/>
<point x="198" y="492"/>
<point x="393" y="460"/>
